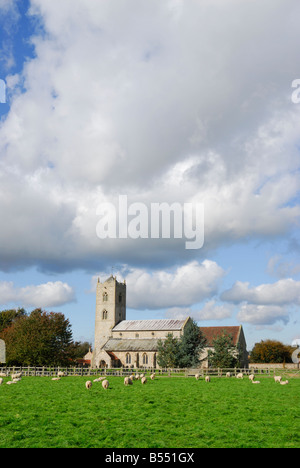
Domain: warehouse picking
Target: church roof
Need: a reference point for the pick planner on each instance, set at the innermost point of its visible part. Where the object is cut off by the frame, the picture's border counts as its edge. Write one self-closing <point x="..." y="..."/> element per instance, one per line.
<point x="144" y="325"/>
<point x="211" y="333"/>
<point x="115" y="344"/>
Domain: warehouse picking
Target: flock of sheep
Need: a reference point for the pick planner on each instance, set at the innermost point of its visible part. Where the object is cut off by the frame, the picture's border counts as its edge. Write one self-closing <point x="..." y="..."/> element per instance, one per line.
<point x="129" y="380"/>
<point x="240" y="375"/>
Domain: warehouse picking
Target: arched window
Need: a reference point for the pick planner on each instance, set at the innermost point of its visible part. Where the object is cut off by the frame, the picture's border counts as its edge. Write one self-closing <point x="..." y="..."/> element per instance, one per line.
<point x="128" y="358"/>
<point x="145" y="359"/>
<point x="105" y="297"/>
<point x="104" y="314"/>
<point x="120" y="298"/>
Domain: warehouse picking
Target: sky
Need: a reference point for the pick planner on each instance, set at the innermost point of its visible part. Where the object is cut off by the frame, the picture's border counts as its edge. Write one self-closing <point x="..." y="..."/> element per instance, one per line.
<point x="188" y="103"/>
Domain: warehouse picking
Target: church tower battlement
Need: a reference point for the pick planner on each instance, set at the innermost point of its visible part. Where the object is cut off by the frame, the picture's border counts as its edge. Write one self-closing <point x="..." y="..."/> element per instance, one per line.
<point x="110" y="310"/>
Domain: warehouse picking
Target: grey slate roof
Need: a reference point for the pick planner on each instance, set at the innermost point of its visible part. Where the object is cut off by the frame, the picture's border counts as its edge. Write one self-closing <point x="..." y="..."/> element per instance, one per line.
<point x="143" y="325"/>
<point x="143" y="344"/>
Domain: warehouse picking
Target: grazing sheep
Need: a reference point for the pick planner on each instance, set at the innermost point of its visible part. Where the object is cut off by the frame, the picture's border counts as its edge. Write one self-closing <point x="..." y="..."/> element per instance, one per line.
<point x="16" y="380"/>
<point x="197" y="376"/>
<point x="88" y="384"/>
<point x="127" y="381"/>
<point x="284" y="383"/>
<point x="105" y="384"/>
<point x="142" y="375"/>
<point x="152" y="376"/>
<point x="2" y="374"/>
<point x="1" y="381"/>
<point x="56" y="378"/>
<point x="228" y="374"/>
<point x="10" y="382"/>
<point x="16" y="376"/>
<point x="255" y="381"/>
<point x="132" y="377"/>
<point x="143" y="380"/>
<point x="207" y="378"/>
<point x="240" y="376"/>
<point x="137" y="376"/>
<point x="251" y="377"/>
<point x="277" y="378"/>
<point x="60" y="374"/>
<point x="99" y="379"/>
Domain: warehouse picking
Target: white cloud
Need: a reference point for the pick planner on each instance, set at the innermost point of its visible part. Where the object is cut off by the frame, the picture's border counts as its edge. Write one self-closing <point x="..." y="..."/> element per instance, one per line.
<point x="182" y="287"/>
<point x="282" y="268"/>
<point x="283" y="292"/>
<point x="210" y="311"/>
<point x="51" y="294"/>
<point x="162" y="101"/>
<point x="262" y="314"/>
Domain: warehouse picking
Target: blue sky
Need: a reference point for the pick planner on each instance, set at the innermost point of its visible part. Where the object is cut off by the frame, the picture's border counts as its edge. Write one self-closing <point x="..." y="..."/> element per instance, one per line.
<point x="161" y="101"/>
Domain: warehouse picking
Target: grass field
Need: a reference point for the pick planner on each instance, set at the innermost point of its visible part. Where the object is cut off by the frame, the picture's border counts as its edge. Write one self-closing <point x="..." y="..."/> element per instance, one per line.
<point x="164" y="413"/>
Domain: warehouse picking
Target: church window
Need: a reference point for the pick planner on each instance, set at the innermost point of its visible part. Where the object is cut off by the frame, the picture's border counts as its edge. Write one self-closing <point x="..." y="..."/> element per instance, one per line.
<point x="105" y="297"/>
<point x="137" y="335"/>
<point x="104" y="315"/>
<point x="145" y="359"/>
<point x="120" y="298"/>
<point x="128" y="358"/>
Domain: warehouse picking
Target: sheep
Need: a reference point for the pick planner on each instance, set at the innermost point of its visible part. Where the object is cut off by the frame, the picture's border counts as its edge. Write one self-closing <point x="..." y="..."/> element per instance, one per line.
<point x="137" y="376"/>
<point x="152" y="376"/>
<point x="228" y="374"/>
<point x="127" y="381"/>
<point x="256" y="381"/>
<point x="277" y="378"/>
<point x="1" y="381"/>
<point x="105" y="384"/>
<point x="16" y="376"/>
<point x="10" y="382"/>
<point x="60" y="374"/>
<point x="284" y="383"/>
<point x="143" y="380"/>
<point x="197" y="376"/>
<point x="207" y="378"/>
<point x="142" y="375"/>
<point x="99" y="379"/>
<point x="55" y="378"/>
<point x="88" y="384"/>
<point x="251" y="377"/>
<point x="2" y="374"/>
<point x="240" y="376"/>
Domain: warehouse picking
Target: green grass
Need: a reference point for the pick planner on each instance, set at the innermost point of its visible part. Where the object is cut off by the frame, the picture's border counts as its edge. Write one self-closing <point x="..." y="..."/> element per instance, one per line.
<point x="164" y="413"/>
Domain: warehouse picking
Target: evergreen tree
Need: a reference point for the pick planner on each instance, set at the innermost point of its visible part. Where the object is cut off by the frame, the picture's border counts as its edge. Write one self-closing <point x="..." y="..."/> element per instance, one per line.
<point x="168" y="351"/>
<point x="223" y="353"/>
<point x="192" y="344"/>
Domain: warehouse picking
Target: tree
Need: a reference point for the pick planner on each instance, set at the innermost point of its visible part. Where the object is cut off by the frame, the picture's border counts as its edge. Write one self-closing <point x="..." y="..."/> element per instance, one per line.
<point x="223" y="353"/>
<point x="192" y="344"/>
<point x="8" y="317"/>
<point x="270" y="351"/>
<point x="41" y="338"/>
<point x="168" y="351"/>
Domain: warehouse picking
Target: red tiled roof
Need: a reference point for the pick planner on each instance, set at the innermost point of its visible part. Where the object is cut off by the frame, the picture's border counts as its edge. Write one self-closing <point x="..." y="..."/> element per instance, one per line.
<point x="211" y="333"/>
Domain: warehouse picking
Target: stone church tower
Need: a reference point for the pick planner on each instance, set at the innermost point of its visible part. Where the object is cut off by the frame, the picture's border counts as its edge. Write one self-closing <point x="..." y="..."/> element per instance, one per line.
<point x="110" y="310"/>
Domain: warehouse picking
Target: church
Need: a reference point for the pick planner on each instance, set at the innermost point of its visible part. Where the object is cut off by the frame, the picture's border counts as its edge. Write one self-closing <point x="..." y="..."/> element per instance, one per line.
<point x="134" y="343"/>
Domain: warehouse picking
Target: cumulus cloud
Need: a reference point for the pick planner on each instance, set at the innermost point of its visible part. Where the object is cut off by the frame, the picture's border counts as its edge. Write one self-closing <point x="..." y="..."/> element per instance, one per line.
<point x="161" y="101"/>
<point x="51" y="294"/>
<point x="210" y="311"/>
<point x="184" y="286"/>
<point x="283" y="292"/>
<point x="262" y="314"/>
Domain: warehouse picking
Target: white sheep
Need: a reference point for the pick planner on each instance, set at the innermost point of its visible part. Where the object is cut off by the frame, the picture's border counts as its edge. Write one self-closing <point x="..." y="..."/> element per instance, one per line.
<point x="142" y="375"/>
<point x="207" y="378"/>
<point x="256" y="381"/>
<point x="240" y="376"/>
<point x="2" y="374"/>
<point x="197" y="376"/>
<point x="143" y="380"/>
<point x="88" y="384"/>
<point x="228" y="374"/>
<point x="251" y="377"/>
<point x="16" y="376"/>
<point x="277" y="378"/>
<point x="10" y="382"/>
<point x="284" y="383"/>
<point x="55" y="378"/>
<point x="1" y="381"/>
<point x="152" y="376"/>
<point x="105" y="384"/>
<point x="127" y="381"/>
<point x="60" y="374"/>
